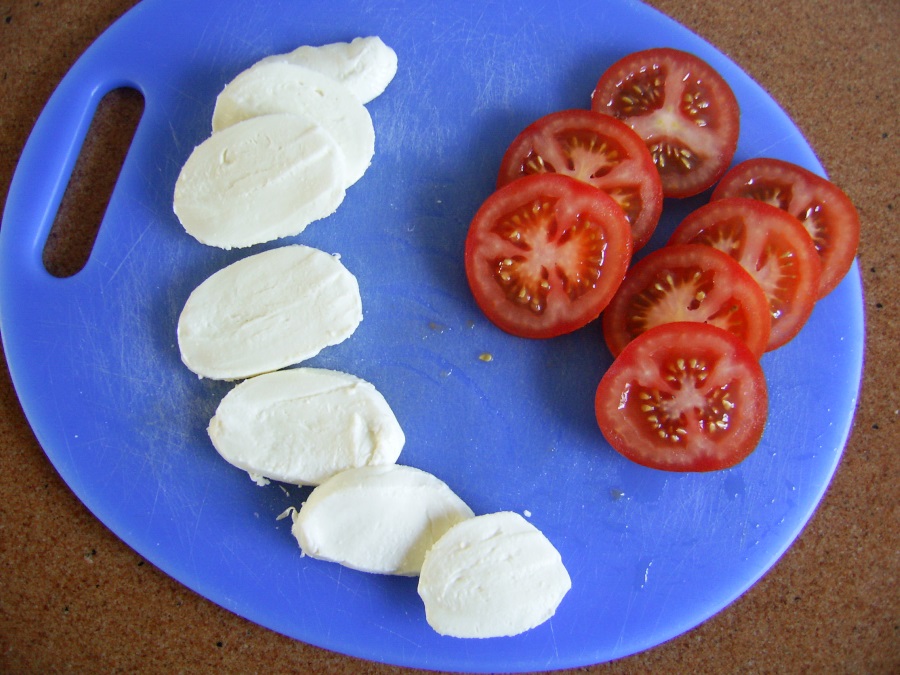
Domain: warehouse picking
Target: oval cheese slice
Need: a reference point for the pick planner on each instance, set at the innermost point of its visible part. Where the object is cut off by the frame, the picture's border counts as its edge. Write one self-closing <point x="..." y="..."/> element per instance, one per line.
<point x="278" y="87"/>
<point x="379" y="519"/>
<point x="365" y="65"/>
<point x="268" y="311"/>
<point x="304" y="425"/>
<point x="491" y="576"/>
<point x="263" y="179"/>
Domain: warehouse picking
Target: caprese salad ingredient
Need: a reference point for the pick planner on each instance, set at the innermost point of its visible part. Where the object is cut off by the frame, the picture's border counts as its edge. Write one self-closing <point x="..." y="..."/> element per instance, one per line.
<point x="772" y="246"/>
<point x="683" y="397"/>
<point x="365" y="65"/>
<point x="688" y="282"/>
<point x="262" y="179"/>
<point x="735" y="266"/>
<point x="494" y="575"/>
<point x="304" y="425"/>
<point x="284" y="137"/>
<point x="821" y="206"/>
<point x="682" y="107"/>
<point x="279" y="87"/>
<point x="545" y="253"/>
<point x="268" y="311"/>
<point x="378" y="519"/>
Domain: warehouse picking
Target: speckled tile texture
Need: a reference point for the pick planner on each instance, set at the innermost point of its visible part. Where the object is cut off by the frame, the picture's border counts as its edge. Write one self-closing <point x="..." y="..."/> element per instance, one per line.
<point x="74" y="598"/>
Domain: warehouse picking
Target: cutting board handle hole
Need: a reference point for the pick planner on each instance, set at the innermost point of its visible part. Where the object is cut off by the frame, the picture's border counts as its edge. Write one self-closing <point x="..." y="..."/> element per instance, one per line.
<point x="91" y="184"/>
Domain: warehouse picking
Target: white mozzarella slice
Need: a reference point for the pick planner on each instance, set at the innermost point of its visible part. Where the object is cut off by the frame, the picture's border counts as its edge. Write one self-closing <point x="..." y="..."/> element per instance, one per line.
<point x="268" y="311"/>
<point x="260" y="180"/>
<point x="366" y="65"/>
<point x="379" y="519"/>
<point x="304" y="425"/>
<point x="492" y="576"/>
<point x="279" y="87"/>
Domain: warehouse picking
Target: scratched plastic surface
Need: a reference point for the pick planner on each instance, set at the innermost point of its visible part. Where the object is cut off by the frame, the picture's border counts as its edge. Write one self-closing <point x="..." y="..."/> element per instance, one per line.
<point x="96" y="366"/>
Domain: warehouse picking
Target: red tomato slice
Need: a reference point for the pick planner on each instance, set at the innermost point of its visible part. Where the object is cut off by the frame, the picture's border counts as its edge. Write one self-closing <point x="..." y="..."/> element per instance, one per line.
<point x="545" y="254"/>
<point x="683" y="397"/>
<point x="682" y="108"/>
<point x="772" y="246"/>
<point x="597" y="149"/>
<point x="687" y="282"/>
<point x="823" y="208"/>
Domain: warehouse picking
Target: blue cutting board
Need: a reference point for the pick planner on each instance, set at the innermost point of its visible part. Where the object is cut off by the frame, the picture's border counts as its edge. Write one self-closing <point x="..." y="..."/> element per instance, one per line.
<point x="96" y="366"/>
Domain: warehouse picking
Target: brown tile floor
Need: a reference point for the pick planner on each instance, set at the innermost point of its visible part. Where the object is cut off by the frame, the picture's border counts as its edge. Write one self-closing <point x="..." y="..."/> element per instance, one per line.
<point x="75" y="598"/>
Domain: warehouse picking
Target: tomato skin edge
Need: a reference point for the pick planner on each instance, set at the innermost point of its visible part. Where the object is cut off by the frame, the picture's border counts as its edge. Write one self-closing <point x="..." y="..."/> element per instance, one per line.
<point x="616" y="427"/>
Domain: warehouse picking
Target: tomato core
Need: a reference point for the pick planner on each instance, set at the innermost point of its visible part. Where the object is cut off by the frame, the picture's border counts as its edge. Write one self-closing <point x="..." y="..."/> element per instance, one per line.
<point x="552" y="253"/>
<point x="685" y="403"/>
